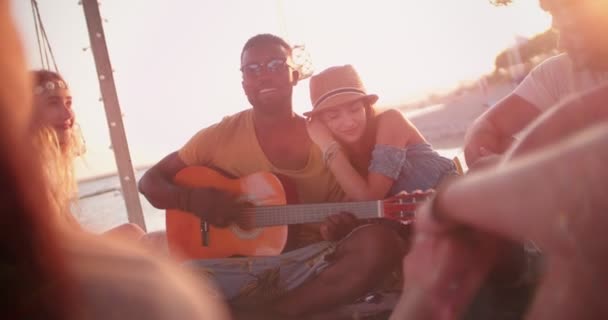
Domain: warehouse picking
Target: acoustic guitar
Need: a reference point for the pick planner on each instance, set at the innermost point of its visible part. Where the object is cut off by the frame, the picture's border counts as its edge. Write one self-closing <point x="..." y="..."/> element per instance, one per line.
<point x="261" y="230"/>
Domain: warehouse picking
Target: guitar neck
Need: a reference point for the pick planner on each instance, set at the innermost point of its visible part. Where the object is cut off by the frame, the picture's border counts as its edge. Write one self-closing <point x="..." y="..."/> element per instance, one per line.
<point x="309" y="213"/>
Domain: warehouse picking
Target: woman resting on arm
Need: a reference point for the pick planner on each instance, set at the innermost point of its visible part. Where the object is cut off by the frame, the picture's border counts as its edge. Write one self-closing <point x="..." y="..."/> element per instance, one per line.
<point x="371" y="155"/>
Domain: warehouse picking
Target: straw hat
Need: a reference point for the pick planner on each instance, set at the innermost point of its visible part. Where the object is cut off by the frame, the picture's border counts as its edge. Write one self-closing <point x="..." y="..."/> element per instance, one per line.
<point x="336" y="86"/>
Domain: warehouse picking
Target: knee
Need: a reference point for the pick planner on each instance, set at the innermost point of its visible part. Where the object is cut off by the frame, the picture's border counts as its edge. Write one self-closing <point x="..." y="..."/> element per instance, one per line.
<point x="377" y="243"/>
<point x="127" y="231"/>
<point x="132" y="230"/>
<point x="156" y="241"/>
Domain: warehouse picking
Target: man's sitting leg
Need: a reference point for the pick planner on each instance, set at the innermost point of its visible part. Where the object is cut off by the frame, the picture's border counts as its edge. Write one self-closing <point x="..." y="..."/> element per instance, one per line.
<point x="361" y="260"/>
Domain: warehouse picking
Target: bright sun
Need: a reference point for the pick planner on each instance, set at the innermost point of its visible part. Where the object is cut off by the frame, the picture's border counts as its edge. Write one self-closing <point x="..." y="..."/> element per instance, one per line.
<point x="403" y="48"/>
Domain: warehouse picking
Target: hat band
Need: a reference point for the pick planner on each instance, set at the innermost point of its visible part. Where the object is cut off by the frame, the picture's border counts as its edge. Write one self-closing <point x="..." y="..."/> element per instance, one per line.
<point x="335" y="92"/>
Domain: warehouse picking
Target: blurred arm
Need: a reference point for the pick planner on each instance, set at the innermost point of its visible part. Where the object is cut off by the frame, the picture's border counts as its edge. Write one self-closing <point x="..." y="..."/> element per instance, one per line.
<point x="492" y="133"/>
<point x="157" y="183"/>
<point x="531" y="195"/>
<point x="394" y="130"/>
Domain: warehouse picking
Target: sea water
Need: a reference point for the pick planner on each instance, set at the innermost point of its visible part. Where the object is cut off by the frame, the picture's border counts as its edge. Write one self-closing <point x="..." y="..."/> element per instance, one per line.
<point x="101" y="205"/>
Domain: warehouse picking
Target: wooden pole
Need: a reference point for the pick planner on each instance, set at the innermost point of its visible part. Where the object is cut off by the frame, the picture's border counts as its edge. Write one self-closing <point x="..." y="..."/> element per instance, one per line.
<point x="113" y="113"/>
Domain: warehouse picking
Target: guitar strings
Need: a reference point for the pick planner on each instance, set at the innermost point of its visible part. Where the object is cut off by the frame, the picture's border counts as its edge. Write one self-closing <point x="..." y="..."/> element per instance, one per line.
<point x="265" y="215"/>
<point x="268" y="215"/>
<point x="262" y="216"/>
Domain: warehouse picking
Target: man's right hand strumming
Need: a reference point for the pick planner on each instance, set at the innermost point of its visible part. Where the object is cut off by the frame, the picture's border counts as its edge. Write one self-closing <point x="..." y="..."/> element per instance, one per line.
<point x="218" y="207"/>
<point x="215" y="206"/>
<point x="483" y="142"/>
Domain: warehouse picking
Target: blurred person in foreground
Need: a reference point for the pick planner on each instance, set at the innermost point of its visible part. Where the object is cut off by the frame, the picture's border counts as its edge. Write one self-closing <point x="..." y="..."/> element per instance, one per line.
<point x="549" y="192"/>
<point x="52" y="272"/>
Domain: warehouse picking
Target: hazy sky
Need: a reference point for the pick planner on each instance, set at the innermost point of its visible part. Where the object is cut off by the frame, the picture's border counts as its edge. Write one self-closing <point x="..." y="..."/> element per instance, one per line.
<point x="177" y="61"/>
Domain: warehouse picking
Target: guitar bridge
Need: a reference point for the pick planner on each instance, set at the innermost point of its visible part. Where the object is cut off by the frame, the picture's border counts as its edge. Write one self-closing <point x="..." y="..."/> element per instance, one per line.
<point x="204" y="233"/>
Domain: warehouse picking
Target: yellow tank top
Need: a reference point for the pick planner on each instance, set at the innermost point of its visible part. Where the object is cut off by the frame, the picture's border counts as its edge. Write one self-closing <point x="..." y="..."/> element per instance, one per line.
<point x="232" y="146"/>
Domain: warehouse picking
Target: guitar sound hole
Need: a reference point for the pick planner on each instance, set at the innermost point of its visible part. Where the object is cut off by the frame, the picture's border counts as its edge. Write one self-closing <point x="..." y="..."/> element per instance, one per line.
<point x="245" y="225"/>
<point x="246" y="221"/>
<point x="243" y="233"/>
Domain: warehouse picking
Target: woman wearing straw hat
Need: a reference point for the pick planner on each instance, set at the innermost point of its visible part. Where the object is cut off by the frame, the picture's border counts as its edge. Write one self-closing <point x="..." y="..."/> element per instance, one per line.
<point x="371" y="155"/>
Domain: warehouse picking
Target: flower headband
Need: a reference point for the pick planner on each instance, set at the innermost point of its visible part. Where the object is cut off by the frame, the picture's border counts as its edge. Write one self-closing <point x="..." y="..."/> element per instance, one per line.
<point x="50" y="86"/>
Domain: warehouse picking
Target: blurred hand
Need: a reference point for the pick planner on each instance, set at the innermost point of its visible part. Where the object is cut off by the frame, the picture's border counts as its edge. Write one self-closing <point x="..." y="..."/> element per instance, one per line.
<point x="486" y="161"/>
<point x="555" y="199"/>
<point x="319" y="133"/>
<point x="337" y="226"/>
<point x="482" y="141"/>
<point x="445" y="268"/>
<point x="217" y="207"/>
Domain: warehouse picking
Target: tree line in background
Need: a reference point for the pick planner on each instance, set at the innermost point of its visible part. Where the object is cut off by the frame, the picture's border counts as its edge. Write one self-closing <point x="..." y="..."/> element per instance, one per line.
<point x="511" y="65"/>
<point x="500" y="2"/>
<point x="542" y="44"/>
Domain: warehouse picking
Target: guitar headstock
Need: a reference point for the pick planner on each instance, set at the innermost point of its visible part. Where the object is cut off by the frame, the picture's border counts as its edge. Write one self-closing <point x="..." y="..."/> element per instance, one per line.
<point x="402" y="206"/>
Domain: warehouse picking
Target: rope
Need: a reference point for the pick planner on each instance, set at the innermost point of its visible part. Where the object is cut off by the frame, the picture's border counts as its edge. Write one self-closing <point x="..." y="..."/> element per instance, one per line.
<point x="37" y="34"/>
<point x="44" y="44"/>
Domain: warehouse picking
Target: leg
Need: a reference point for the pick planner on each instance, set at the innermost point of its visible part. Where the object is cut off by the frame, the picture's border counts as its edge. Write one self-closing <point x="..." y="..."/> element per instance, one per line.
<point x="156" y="242"/>
<point x="361" y="260"/>
<point x="128" y="231"/>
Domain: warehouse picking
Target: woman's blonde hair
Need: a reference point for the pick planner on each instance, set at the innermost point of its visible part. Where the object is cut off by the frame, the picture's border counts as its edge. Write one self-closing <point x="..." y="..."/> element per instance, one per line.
<point x="57" y="159"/>
<point x="58" y="170"/>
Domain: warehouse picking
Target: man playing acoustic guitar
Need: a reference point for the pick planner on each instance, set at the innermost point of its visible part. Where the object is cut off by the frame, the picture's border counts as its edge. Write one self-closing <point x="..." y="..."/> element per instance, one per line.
<point x="320" y="272"/>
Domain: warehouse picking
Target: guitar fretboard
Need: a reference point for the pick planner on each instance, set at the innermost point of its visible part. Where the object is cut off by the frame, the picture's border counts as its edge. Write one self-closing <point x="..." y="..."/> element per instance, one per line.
<point x="308" y="213"/>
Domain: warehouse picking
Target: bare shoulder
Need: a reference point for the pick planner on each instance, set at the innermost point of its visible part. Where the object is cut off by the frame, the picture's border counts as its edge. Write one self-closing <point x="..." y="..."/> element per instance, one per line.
<point x="394" y="128"/>
<point x="392" y="119"/>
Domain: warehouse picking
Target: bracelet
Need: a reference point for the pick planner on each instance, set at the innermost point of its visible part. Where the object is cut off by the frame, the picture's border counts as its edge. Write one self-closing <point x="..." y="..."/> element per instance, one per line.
<point x="330" y="152"/>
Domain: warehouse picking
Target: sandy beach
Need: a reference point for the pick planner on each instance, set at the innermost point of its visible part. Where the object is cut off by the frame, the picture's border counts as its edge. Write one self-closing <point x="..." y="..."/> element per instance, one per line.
<point x="444" y="125"/>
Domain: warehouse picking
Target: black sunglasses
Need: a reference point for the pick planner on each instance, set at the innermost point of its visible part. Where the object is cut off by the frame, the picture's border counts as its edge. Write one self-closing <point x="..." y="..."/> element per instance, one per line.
<point x="272" y="66"/>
